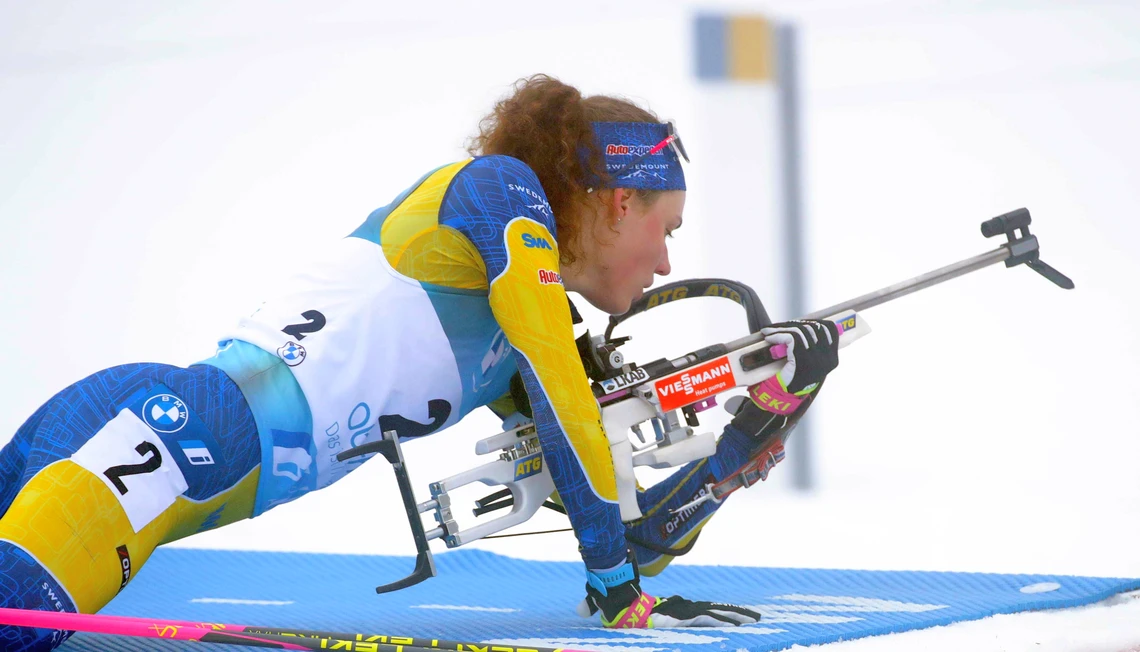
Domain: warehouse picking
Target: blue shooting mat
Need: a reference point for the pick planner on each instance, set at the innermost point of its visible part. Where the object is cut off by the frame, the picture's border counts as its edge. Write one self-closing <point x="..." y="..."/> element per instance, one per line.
<point x="482" y="597"/>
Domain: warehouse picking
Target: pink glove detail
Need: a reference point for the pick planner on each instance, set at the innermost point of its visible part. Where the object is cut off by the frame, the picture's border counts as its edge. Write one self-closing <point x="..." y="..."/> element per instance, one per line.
<point x="636" y="616"/>
<point x="768" y="395"/>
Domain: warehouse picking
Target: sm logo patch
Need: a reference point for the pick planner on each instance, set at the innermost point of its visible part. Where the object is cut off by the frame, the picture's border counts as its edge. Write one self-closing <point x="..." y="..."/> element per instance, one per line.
<point x="535" y="242"/>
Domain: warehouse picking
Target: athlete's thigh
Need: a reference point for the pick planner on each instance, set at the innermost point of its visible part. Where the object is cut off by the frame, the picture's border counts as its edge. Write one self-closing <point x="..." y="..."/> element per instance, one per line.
<point x="127" y="459"/>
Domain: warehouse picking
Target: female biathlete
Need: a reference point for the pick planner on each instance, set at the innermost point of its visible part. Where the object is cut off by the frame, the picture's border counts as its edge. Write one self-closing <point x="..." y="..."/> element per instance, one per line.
<point x="422" y="314"/>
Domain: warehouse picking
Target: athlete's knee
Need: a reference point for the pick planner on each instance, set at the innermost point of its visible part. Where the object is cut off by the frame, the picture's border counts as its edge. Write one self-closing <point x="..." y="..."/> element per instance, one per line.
<point x="27" y="639"/>
<point x="25" y="584"/>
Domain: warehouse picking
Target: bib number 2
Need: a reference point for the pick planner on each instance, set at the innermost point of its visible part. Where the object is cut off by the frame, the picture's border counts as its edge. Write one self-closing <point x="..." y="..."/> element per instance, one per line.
<point x="135" y="466"/>
<point x="152" y="463"/>
<point x="316" y="321"/>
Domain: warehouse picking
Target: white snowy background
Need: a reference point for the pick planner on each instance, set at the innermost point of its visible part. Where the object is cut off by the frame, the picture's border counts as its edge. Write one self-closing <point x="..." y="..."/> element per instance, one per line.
<point x="161" y="164"/>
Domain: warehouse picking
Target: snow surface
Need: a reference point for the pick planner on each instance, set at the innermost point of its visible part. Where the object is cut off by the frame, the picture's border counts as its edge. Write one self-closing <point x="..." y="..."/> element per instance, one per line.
<point x="1109" y="626"/>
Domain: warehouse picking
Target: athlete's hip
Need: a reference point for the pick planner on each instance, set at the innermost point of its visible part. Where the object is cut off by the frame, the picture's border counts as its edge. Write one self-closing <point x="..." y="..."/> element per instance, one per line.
<point x="120" y="462"/>
<point x="143" y="429"/>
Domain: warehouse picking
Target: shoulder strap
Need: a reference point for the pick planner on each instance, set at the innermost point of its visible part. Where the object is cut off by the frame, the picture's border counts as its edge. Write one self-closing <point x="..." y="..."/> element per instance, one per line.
<point x="700" y="287"/>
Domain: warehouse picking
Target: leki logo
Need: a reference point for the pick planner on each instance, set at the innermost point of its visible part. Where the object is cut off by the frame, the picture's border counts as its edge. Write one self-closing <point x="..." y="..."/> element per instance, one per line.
<point x="695" y="384"/>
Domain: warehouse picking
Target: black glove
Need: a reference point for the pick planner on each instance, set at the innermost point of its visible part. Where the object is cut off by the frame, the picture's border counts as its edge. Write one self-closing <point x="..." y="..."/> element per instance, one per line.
<point x="811" y="352"/>
<point x="618" y="596"/>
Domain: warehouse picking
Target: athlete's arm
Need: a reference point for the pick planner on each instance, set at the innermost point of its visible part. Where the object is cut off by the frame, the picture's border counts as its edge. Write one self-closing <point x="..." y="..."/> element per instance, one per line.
<point x="503" y="406"/>
<point x="498" y="204"/>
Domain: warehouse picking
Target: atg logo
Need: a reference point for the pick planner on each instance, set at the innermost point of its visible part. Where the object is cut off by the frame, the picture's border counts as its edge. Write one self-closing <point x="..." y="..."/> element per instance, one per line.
<point x="528" y="466"/>
<point x="535" y="242"/>
<point x="547" y="277"/>
<point x="292" y="353"/>
<point x="165" y="413"/>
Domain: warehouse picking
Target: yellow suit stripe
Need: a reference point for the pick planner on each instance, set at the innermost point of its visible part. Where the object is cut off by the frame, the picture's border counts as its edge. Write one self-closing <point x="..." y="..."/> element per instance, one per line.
<point x="418" y="247"/>
<point x="71" y="522"/>
<point x="535" y="316"/>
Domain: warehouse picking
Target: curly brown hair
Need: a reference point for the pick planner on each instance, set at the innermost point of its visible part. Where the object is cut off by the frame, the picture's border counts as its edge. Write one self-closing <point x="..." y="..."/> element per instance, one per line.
<point x="545" y="123"/>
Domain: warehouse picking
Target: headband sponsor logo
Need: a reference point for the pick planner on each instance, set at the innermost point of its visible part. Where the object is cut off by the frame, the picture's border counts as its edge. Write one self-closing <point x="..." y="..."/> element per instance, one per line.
<point x="613" y="167"/>
<point x="615" y="149"/>
<point x="547" y="277"/>
<point x="694" y="384"/>
<point x="640" y="171"/>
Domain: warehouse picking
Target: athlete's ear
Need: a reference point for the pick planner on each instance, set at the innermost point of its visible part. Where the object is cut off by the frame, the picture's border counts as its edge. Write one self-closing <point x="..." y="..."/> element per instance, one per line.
<point x="619" y="203"/>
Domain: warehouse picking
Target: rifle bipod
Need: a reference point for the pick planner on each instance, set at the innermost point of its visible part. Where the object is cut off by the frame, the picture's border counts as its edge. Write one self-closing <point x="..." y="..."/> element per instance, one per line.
<point x="389" y="447"/>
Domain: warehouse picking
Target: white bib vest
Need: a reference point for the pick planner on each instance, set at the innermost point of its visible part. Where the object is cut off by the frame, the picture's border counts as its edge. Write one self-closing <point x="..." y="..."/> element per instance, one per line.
<point x="363" y="342"/>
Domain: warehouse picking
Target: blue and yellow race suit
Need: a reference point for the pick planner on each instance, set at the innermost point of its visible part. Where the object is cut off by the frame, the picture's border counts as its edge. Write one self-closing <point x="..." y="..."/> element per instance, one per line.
<point x="421" y="315"/>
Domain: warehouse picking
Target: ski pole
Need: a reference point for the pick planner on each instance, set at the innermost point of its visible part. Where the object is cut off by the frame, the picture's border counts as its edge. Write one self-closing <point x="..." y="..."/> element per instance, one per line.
<point x="274" y="637"/>
<point x="428" y="643"/>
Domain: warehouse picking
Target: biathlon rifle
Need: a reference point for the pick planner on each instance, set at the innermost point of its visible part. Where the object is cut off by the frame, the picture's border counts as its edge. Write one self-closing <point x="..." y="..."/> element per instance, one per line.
<point x="630" y="395"/>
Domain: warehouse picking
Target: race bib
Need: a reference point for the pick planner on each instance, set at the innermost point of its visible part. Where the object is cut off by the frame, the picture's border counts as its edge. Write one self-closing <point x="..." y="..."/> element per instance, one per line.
<point x="131" y="459"/>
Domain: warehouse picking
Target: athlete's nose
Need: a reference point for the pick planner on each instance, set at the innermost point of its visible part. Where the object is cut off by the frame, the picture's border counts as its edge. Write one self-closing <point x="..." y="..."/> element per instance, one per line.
<point x="663" y="267"/>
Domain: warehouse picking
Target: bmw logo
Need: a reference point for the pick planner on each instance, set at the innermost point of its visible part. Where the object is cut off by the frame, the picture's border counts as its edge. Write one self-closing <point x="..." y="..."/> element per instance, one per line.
<point x="292" y="353"/>
<point x="165" y="413"/>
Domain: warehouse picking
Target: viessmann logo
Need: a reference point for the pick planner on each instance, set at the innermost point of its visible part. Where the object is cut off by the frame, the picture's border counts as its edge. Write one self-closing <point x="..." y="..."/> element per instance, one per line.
<point x="695" y="384"/>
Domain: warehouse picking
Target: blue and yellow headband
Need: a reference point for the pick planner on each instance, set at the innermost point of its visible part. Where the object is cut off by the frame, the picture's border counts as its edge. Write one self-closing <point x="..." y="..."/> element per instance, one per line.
<point x="642" y="155"/>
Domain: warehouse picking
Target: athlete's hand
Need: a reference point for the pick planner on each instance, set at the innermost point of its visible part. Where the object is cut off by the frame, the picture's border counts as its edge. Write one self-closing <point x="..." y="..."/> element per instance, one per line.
<point x="625" y="606"/>
<point x="812" y="351"/>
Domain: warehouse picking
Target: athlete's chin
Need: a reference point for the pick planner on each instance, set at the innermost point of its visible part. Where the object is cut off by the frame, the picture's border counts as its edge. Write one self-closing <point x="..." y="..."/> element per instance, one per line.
<point x="613" y="304"/>
<point x="622" y="307"/>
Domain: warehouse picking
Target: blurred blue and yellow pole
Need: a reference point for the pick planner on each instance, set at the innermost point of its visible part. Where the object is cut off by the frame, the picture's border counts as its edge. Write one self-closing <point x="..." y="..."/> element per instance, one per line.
<point x="737" y="50"/>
